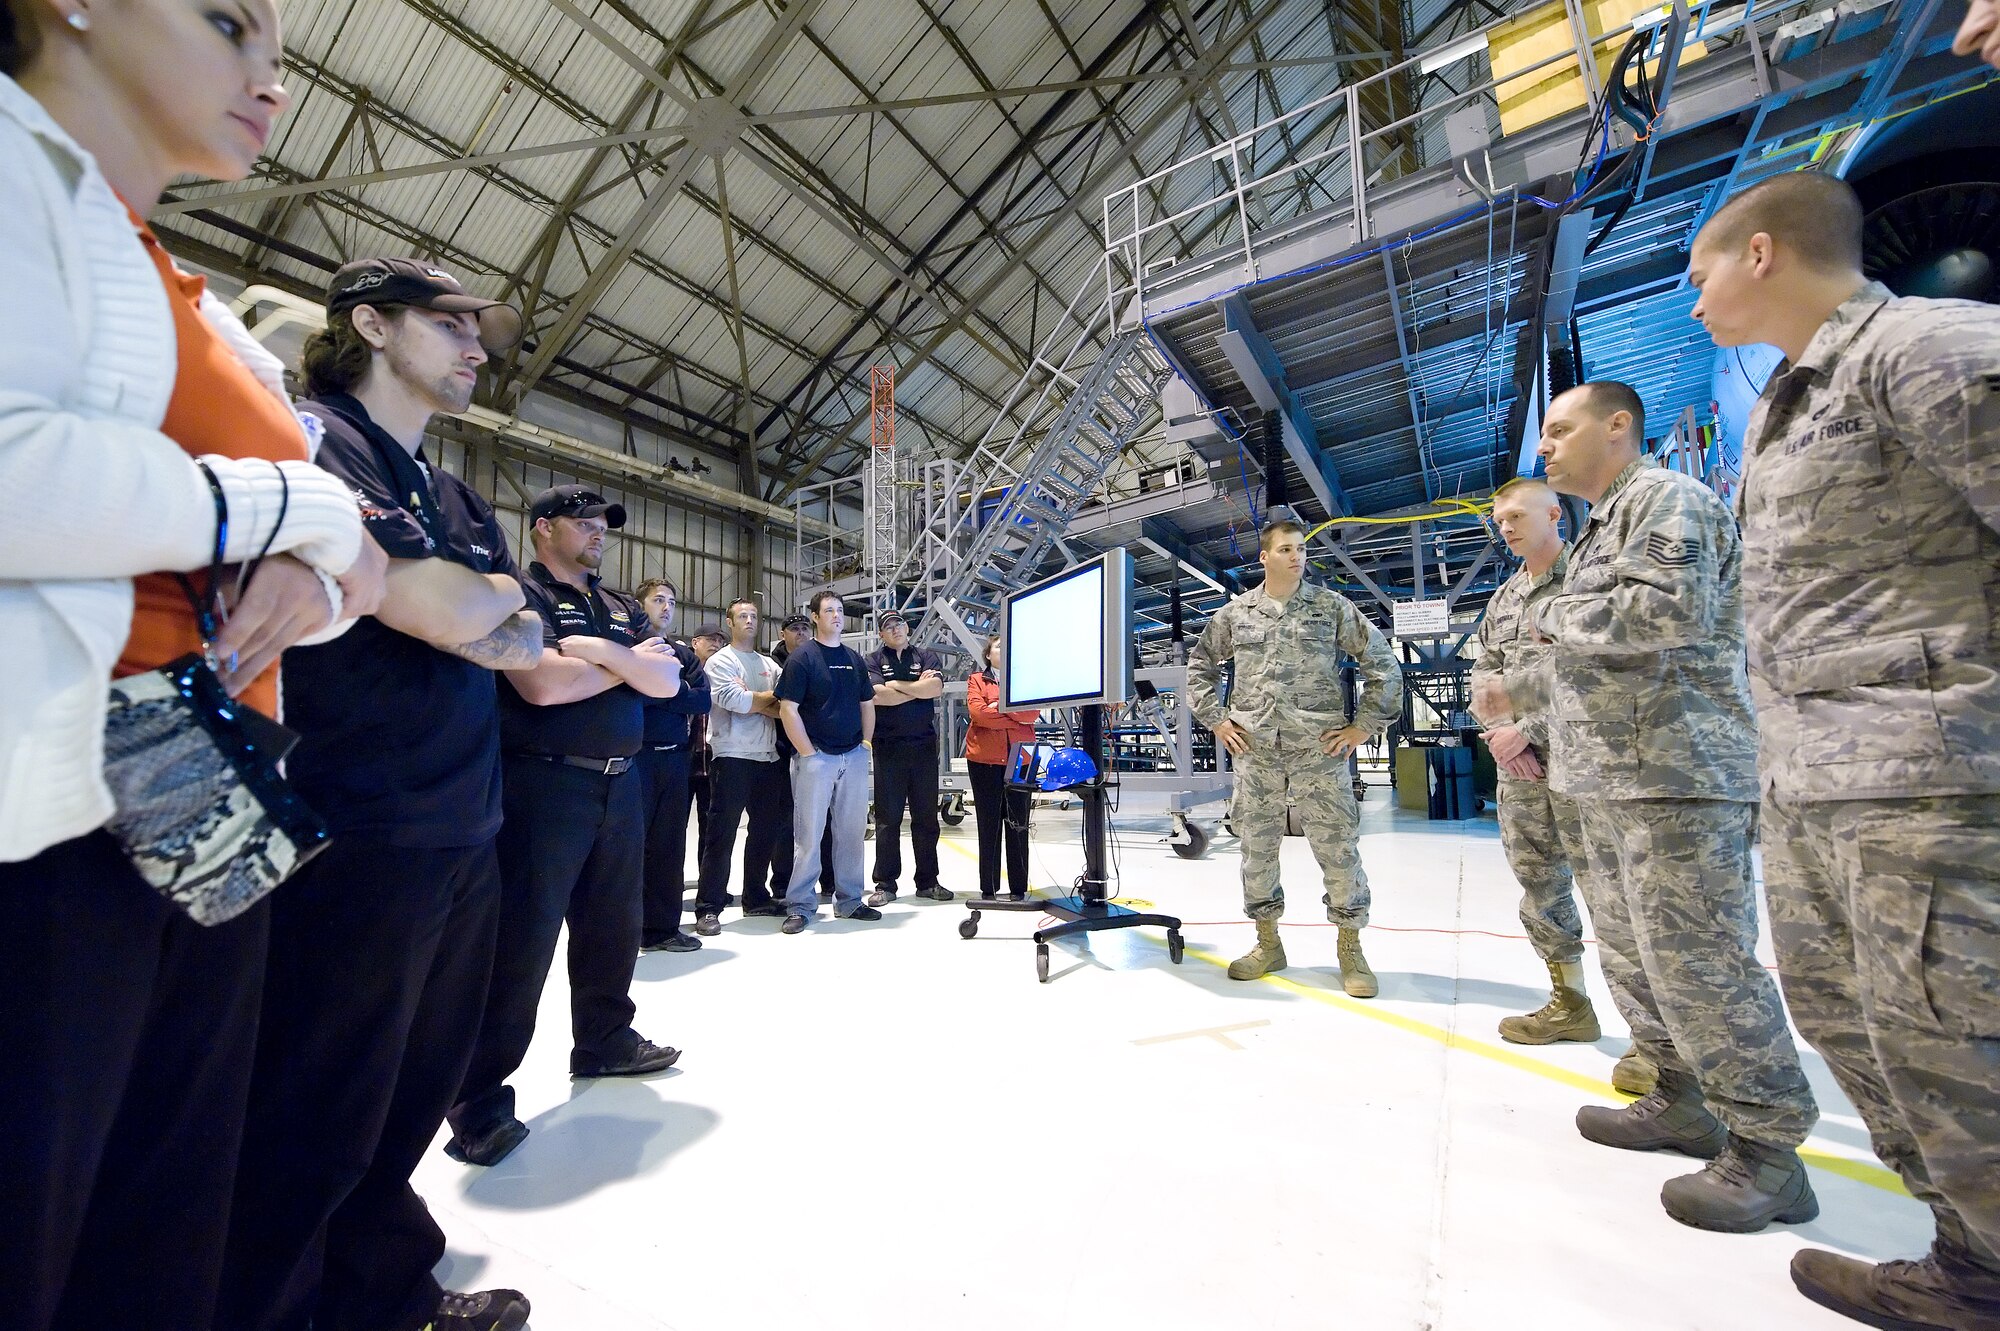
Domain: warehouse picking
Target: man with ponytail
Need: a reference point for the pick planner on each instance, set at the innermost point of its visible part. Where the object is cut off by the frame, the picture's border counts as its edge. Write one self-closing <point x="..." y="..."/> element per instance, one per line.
<point x="382" y="948"/>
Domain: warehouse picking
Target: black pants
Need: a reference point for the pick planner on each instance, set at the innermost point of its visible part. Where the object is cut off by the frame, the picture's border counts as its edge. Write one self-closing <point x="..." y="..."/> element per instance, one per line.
<point x="130" y="1032"/>
<point x="763" y="790"/>
<point x="572" y="849"/>
<point x="906" y="773"/>
<point x="700" y="786"/>
<point x="664" y="794"/>
<point x="783" y="856"/>
<point x="380" y="956"/>
<point x="992" y="805"/>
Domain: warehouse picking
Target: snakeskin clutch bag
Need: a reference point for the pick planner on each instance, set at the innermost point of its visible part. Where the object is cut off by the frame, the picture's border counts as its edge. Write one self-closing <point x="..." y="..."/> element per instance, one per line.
<point x="203" y="811"/>
<point x="203" y="814"/>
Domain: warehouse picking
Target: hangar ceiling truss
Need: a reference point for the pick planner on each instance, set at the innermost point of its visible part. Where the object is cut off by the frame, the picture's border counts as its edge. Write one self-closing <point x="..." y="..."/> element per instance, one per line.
<point x="717" y="214"/>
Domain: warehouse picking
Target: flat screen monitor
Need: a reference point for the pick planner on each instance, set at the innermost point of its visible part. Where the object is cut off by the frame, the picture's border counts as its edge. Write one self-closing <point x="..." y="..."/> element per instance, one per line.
<point x="1067" y="640"/>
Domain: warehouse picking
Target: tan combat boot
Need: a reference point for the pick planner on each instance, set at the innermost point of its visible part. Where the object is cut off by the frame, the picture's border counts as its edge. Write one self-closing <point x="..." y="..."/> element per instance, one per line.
<point x="1566" y="1016"/>
<point x="1267" y="956"/>
<point x="1634" y="1073"/>
<point x="1355" y="977"/>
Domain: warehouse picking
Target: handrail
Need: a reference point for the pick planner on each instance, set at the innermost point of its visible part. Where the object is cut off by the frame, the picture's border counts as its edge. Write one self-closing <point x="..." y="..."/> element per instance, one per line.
<point x="1130" y="227"/>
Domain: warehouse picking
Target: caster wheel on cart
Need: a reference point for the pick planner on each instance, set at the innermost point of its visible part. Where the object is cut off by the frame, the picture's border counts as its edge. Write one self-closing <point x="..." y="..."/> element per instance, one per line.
<point x="1175" y="946"/>
<point x="950" y="815"/>
<point x="1042" y="962"/>
<point x="1196" y="844"/>
<point x="968" y="928"/>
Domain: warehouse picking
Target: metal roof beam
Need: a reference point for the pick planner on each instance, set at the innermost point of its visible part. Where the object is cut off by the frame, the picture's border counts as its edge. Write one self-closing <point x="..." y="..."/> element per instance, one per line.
<point x="1044" y="126"/>
<point x="1409" y="368"/>
<point x="1256" y="362"/>
<point x="1084" y="193"/>
<point x="1169" y="544"/>
<point x="756" y="69"/>
<point x="795" y="187"/>
<point x="653" y="134"/>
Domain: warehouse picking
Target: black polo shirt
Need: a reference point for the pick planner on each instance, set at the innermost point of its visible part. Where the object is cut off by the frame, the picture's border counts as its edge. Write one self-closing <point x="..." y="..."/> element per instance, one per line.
<point x="611" y="725"/>
<point x="398" y="739"/>
<point x="829" y="684"/>
<point x="912" y="722"/>
<point x="667" y="718"/>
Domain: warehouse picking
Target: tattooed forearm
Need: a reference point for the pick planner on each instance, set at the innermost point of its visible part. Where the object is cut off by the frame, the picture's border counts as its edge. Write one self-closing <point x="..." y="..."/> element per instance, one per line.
<point x="515" y="645"/>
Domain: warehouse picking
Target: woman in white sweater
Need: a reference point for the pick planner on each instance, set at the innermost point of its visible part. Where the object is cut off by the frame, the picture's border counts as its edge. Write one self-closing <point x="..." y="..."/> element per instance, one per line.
<point x="131" y="1029"/>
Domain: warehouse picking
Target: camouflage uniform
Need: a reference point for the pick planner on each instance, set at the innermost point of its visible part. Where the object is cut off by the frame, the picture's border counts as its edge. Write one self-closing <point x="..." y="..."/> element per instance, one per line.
<point x="1871" y="525"/>
<point x="1653" y="737"/>
<point x="1286" y="693"/>
<point x="1538" y="829"/>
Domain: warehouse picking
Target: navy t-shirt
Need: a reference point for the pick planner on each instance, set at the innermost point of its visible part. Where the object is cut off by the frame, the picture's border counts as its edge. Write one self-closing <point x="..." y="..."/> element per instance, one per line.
<point x="398" y="739"/>
<point x="914" y="721"/>
<point x="610" y="725"/>
<point x="829" y="684"/>
<point x="667" y="718"/>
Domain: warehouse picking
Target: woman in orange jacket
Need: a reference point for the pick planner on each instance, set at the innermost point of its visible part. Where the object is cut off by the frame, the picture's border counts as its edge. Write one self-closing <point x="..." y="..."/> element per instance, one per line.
<point x="987" y="744"/>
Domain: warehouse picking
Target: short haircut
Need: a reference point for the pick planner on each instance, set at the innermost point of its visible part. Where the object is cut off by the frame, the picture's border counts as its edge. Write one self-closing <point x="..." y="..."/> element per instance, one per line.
<point x="822" y="597"/>
<point x="730" y="613"/>
<point x="337" y="357"/>
<point x="1812" y="214"/>
<point x="1524" y="486"/>
<point x="646" y="588"/>
<point x="1607" y="397"/>
<point x="1277" y="527"/>
<point x="986" y="649"/>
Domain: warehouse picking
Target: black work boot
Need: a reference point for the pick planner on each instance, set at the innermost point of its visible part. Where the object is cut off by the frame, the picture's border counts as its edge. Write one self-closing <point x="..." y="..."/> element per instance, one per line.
<point x="1943" y="1292"/>
<point x="1744" y="1189"/>
<point x="487" y="1310"/>
<point x="1671" y="1118"/>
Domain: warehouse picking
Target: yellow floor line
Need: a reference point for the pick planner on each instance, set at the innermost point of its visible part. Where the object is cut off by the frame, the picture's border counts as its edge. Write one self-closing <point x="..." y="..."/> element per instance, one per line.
<point x="1860" y="1171"/>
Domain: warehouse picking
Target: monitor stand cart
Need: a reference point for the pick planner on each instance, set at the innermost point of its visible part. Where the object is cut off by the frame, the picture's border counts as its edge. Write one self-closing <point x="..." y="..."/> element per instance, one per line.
<point x="1091" y="909"/>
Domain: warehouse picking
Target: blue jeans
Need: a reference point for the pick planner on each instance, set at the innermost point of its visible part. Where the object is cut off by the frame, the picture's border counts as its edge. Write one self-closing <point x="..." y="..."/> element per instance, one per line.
<point x="828" y="789"/>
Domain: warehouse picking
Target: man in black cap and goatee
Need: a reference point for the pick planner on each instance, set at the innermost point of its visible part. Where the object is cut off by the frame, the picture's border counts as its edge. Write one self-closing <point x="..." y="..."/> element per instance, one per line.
<point x="907" y="682"/>
<point x="572" y="836"/>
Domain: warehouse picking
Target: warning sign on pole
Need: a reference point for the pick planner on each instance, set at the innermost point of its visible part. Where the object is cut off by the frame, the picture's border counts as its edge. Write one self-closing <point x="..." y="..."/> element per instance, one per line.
<point x="1422" y="619"/>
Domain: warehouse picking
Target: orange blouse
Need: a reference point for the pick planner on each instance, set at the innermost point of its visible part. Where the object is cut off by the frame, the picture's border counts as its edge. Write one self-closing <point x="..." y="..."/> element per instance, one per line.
<point x="218" y="406"/>
<point x="993" y="731"/>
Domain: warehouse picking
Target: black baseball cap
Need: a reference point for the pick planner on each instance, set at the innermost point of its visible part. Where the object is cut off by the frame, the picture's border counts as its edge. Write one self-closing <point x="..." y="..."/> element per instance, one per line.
<point x="891" y="617"/>
<point x="408" y="282"/>
<point x="799" y="622"/>
<point x="712" y="631"/>
<point x="575" y="501"/>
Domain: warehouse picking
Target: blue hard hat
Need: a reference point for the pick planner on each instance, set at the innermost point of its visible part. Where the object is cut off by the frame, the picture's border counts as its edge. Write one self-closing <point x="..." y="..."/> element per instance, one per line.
<point x="1068" y="767"/>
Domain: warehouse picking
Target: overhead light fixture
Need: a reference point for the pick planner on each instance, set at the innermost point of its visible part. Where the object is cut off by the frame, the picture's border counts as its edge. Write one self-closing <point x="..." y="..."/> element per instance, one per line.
<point x="1451" y="54"/>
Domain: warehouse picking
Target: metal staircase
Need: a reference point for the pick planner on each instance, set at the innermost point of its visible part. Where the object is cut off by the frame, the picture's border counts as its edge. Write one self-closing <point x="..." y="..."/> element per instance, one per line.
<point x="1106" y="410"/>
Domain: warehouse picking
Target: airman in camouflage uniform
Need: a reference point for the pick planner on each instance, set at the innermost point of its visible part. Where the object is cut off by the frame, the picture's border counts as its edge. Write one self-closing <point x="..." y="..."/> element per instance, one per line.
<point x="1287" y="727"/>
<point x="1871" y="524"/>
<point x="1653" y="737"/>
<point x="1538" y="829"/>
